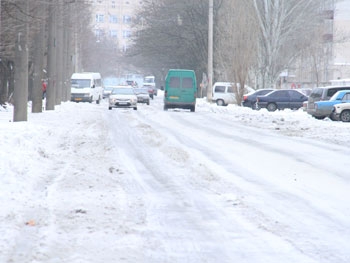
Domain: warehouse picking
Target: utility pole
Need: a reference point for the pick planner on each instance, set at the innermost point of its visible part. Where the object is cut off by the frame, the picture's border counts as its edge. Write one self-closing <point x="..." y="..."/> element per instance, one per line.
<point x="210" y="52"/>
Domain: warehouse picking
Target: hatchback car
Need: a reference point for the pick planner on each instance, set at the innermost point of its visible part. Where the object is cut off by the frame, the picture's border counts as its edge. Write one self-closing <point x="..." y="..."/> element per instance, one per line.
<point x="281" y="99"/>
<point x="322" y="93"/>
<point x="122" y="97"/>
<point x="323" y="109"/>
<point x="341" y="112"/>
<point x="249" y="100"/>
<point x="142" y="95"/>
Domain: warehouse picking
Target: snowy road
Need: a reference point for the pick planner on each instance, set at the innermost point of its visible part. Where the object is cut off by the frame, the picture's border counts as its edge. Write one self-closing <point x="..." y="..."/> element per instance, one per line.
<point x="176" y="186"/>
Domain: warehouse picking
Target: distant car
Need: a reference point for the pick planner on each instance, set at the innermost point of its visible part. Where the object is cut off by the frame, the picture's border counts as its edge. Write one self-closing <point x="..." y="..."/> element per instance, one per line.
<point x="107" y="91"/>
<point x="341" y="112"/>
<point x="322" y="93"/>
<point x="323" y="109"/>
<point x="249" y="100"/>
<point x="122" y="97"/>
<point x="132" y="83"/>
<point x="142" y="95"/>
<point x="224" y="93"/>
<point x="281" y="99"/>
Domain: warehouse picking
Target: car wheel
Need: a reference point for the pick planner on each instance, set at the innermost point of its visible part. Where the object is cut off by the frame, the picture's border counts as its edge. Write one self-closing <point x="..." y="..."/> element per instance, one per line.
<point x="271" y="107"/>
<point x="165" y="108"/>
<point x="193" y="109"/>
<point x="345" y="116"/>
<point x="135" y="108"/>
<point x="319" y="117"/>
<point x="109" y="108"/>
<point x="220" y="103"/>
<point x="98" y="101"/>
<point x="147" y="102"/>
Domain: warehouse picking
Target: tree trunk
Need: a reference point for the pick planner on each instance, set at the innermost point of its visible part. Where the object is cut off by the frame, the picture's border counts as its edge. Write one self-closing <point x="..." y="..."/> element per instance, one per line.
<point x="51" y="61"/>
<point x="20" y="96"/>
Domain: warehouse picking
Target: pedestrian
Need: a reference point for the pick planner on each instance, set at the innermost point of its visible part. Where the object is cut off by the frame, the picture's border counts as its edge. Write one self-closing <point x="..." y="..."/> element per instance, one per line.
<point x="44" y="86"/>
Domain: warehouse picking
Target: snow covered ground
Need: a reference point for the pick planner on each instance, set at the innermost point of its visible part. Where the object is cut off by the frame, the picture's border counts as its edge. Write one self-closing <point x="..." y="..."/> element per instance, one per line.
<point x="223" y="184"/>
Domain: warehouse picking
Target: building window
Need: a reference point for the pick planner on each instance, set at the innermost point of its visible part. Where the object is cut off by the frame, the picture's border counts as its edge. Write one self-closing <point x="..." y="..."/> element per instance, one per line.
<point x="113" y="19"/>
<point x="113" y="33"/>
<point x="126" y="33"/>
<point x="99" y="18"/>
<point x="113" y="4"/>
<point x="99" y="34"/>
<point x="126" y="19"/>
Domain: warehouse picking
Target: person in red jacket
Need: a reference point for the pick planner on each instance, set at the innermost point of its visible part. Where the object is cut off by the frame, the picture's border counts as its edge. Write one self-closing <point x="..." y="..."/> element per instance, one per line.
<point x="44" y="86"/>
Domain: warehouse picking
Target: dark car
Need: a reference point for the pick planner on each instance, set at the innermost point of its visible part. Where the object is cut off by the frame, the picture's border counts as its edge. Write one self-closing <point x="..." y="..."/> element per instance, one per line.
<point x="281" y="99"/>
<point x="249" y="100"/>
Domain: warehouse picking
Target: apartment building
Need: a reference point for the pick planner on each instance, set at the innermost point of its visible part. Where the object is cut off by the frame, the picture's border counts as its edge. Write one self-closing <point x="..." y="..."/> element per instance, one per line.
<point x="341" y="54"/>
<point x="113" y="18"/>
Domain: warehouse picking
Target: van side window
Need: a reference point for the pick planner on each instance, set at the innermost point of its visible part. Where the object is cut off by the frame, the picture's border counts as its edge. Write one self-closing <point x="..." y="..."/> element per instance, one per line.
<point x="174" y="82"/>
<point x="331" y="92"/>
<point x="187" y="83"/>
<point x="229" y="89"/>
<point x="220" y="89"/>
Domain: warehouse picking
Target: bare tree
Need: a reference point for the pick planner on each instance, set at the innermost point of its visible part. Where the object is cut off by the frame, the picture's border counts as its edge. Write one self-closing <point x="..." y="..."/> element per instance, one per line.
<point x="285" y="28"/>
<point x="236" y="49"/>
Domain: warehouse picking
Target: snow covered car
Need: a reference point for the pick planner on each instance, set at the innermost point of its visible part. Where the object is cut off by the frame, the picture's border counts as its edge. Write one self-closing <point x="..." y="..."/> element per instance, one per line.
<point x="341" y="112"/>
<point x="122" y="97"/>
<point x="142" y="95"/>
<point x="323" y="109"/>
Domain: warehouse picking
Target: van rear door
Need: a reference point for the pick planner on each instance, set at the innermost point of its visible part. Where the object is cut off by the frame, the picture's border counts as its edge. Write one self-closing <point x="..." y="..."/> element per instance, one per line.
<point x="181" y="87"/>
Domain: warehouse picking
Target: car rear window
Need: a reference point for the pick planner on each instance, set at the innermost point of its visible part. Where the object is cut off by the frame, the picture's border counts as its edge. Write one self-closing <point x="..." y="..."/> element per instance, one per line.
<point x="187" y="83"/>
<point x="316" y="93"/>
<point x="174" y="82"/>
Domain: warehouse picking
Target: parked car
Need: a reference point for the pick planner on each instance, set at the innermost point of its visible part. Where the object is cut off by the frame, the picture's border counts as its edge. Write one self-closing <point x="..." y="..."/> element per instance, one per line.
<point x="122" y="97"/>
<point x="107" y="91"/>
<point x="323" y="109"/>
<point x="281" y="99"/>
<point x="249" y="100"/>
<point x="341" y="112"/>
<point x="223" y="93"/>
<point x="321" y="94"/>
<point x="142" y="95"/>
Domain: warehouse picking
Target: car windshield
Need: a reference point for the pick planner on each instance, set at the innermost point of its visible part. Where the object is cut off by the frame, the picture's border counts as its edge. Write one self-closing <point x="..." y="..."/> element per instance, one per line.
<point x="125" y="91"/>
<point x="80" y="83"/>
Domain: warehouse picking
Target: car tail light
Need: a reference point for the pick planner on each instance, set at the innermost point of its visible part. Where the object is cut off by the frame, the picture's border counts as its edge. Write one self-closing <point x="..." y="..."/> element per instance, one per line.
<point x="245" y="97"/>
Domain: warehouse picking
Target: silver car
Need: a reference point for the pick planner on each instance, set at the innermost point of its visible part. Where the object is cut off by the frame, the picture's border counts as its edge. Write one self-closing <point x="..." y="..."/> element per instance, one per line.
<point x="122" y="97"/>
<point x="142" y="95"/>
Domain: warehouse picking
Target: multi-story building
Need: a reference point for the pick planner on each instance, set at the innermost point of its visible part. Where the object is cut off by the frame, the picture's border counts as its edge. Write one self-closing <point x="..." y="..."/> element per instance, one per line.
<point x="341" y="53"/>
<point x="330" y="59"/>
<point x="113" y="18"/>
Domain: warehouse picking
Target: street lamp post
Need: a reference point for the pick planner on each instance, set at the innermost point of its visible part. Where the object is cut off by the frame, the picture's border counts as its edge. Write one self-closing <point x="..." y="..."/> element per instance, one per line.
<point x="210" y="52"/>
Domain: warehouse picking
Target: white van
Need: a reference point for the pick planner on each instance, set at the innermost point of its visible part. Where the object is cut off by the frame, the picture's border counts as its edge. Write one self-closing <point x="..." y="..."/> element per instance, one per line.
<point x="223" y="93"/>
<point x="149" y="82"/>
<point x="86" y="86"/>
